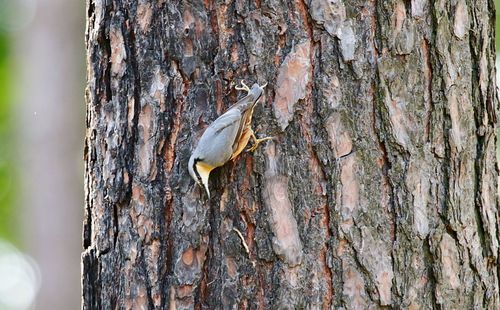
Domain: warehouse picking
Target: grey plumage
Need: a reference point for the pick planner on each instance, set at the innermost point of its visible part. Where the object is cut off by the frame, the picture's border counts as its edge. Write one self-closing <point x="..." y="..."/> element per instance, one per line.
<point x="215" y="145"/>
<point x="225" y="138"/>
<point x="219" y="140"/>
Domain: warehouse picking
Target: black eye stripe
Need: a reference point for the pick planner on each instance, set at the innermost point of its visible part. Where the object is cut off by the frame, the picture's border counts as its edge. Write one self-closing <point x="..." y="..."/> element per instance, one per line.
<point x="197" y="159"/>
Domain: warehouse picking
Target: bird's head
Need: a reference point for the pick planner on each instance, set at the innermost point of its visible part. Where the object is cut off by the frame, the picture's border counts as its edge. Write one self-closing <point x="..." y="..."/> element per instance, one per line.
<point x="200" y="172"/>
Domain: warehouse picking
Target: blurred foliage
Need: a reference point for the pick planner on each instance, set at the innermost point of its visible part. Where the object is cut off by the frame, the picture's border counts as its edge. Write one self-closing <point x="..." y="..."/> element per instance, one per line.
<point x="7" y="167"/>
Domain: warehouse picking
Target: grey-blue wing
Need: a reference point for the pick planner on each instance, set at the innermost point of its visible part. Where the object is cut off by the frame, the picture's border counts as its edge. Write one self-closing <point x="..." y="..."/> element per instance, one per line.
<point x="216" y="144"/>
<point x="243" y="106"/>
<point x="246" y="102"/>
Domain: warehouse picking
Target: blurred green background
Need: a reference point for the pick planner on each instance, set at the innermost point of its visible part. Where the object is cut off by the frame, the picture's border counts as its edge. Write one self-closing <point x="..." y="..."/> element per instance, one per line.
<point x="7" y="167"/>
<point x="42" y="110"/>
<point x="41" y="137"/>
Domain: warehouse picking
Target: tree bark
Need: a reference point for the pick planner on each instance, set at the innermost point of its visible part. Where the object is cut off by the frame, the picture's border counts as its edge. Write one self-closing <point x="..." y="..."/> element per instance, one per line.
<point x="379" y="191"/>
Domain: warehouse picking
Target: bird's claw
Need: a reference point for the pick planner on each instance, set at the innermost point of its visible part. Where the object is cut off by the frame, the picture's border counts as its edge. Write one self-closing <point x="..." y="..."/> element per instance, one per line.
<point x="257" y="142"/>
<point x="243" y="87"/>
<point x="253" y="147"/>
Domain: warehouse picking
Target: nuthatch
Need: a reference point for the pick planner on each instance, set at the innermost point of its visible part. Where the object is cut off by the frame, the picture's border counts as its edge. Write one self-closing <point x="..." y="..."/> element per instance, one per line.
<point x="226" y="137"/>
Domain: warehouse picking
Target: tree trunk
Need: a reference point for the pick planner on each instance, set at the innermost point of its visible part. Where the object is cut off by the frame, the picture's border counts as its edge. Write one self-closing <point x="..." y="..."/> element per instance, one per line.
<point x="380" y="189"/>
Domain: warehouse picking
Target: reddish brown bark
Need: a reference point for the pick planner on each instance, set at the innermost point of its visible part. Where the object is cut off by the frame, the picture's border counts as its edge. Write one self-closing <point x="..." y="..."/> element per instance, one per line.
<point x="379" y="191"/>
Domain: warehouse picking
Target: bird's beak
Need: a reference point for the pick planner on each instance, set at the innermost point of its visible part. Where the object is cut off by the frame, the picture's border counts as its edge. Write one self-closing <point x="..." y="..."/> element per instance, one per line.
<point x="204" y="172"/>
<point x="208" y="192"/>
<point x="204" y="178"/>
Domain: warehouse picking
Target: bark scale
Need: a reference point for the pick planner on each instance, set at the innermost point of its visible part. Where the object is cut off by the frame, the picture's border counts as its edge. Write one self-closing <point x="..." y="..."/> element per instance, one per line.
<point x="380" y="191"/>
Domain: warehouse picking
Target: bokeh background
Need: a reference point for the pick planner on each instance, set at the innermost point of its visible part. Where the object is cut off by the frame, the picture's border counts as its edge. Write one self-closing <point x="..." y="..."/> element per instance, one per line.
<point x="42" y="111"/>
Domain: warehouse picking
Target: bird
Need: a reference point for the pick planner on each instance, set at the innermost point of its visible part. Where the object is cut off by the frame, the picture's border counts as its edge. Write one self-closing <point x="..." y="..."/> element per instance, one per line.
<point x="226" y="137"/>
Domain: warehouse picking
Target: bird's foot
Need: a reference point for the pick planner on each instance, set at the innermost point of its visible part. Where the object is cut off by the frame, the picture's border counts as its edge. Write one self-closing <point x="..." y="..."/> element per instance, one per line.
<point x="243" y="87"/>
<point x="257" y="142"/>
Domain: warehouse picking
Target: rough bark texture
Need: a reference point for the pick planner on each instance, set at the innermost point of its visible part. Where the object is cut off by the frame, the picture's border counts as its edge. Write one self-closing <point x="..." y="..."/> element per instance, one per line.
<point x="380" y="190"/>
